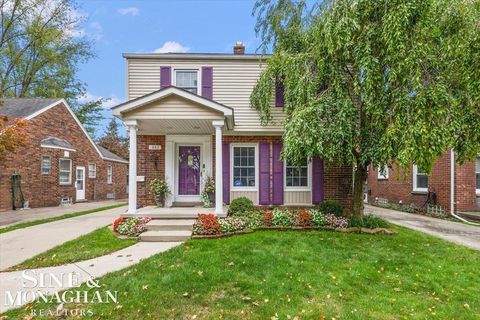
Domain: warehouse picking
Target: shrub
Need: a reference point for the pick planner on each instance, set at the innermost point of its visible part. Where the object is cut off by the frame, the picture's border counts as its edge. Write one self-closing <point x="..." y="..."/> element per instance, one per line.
<point x="132" y="227"/>
<point x="253" y="220"/>
<point x="116" y="223"/>
<point x="231" y="224"/>
<point x="240" y="207"/>
<point x="267" y="218"/>
<point x="304" y="218"/>
<point x="282" y="218"/>
<point x="336" y="222"/>
<point x="318" y="218"/>
<point x="331" y="207"/>
<point x="368" y="221"/>
<point x="207" y="223"/>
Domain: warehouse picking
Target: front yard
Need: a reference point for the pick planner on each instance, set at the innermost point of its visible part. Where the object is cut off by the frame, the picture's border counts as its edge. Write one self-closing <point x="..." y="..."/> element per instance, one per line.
<point x="308" y="275"/>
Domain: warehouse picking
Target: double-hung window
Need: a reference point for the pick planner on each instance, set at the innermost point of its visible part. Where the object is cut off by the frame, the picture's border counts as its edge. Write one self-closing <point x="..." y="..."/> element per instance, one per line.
<point x="296" y="176"/>
<point x="382" y="173"/>
<point x="109" y="174"/>
<point x="187" y="79"/>
<point x="46" y="165"/>
<point x="420" y="180"/>
<point x="244" y="167"/>
<point x="477" y="171"/>
<point x="65" y="171"/>
<point x="92" y="170"/>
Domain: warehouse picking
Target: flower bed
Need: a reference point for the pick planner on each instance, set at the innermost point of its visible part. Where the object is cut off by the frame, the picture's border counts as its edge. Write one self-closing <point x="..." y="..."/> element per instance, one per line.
<point x="130" y="227"/>
<point x="210" y="226"/>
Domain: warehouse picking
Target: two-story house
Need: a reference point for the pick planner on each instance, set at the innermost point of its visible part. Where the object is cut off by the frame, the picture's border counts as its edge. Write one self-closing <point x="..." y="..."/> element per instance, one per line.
<point x="189" y="117"/>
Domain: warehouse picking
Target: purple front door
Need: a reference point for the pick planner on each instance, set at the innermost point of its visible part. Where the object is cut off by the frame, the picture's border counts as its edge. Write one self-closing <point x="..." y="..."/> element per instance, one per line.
<point x="188" y="170"/>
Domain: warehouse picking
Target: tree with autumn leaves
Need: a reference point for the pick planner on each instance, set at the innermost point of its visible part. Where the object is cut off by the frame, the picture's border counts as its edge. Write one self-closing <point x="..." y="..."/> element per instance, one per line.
<point x="12" y="135"/>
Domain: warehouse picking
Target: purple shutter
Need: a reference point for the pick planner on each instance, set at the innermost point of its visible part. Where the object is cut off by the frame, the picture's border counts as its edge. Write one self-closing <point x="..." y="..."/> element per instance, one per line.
<point x="279" y="90"/>
<point x="317" y="180"/>
<point x="165" y="77"/>
<point x="264" y="164"/>
<point x="277" y="195"/>
<point x="226" y="172"/>
<point x="207" y="82"/>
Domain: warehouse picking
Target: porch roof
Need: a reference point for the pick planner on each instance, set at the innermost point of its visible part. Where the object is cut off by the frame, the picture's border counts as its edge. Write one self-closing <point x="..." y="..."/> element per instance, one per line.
<point x="171" y="108"/>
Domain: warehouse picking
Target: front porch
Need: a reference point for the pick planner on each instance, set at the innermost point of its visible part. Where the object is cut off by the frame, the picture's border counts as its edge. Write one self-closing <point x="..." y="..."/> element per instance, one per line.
<point x="172" y="212"/>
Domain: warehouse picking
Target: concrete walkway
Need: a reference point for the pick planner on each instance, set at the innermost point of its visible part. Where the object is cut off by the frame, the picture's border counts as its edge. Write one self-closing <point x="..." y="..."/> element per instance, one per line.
<point x="459" y="233"/>
<point x="13" y="282"/>
<point x="18" y="245"/>
<point x="13" y="217"/>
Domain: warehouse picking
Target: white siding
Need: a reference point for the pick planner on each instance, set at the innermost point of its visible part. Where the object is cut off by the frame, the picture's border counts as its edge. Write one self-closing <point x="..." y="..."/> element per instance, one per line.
<point x="252" y="195"/>
<point x="233" y="82"/>
<point x="297" y="197"/>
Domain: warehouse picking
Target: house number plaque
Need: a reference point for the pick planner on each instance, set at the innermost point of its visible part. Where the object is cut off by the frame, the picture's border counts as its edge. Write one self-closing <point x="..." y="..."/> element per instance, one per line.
<point x="154" y="147"/>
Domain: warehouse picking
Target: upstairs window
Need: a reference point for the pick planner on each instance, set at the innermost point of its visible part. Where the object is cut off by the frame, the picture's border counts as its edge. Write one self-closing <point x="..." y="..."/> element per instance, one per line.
<point x="296" y="176"/>
<point x="46" y="165"/>
<point x="383" y="173"/>
<point x="65" y="171"/>
<point x="187" y="79"/>
<point x="420" y="180"/>
<point x="477" y="171"/>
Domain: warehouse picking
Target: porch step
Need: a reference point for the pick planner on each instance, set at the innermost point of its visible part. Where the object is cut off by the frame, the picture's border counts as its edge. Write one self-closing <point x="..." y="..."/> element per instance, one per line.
<point x="170" y="224"/>
<point x="165" y="236"/>
<point x="187" y="204"/>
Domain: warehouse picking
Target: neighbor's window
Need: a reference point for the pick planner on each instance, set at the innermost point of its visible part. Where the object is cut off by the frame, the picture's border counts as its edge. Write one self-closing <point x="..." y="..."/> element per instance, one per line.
<point x="65" y="171"/>
<point x="46" y="164"/>
<point x="187" y="79"/>
<point x="420" y="180"/>
<point x="383" y="172"/>
<point x="244" y="174"/>
<point x="92" y="170"/>
<point x="477" y="171"/>
<point x="296" y="176"/>
<point x="109" y="174"/>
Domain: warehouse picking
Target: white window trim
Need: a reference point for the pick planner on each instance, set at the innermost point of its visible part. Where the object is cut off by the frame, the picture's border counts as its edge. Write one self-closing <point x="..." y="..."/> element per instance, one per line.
<point x="477" y="191"/>
<point x="95" y="171"/>
<point x="109" y="176"/>
<point x="187" y="68"/>
<point x="70" y="172"/>
<point x="309" y="178"/>
<point x="415" y="173"/>
<point x="236" y="188"/>
<point x="49" y="169"/>
<point x="381" y="176"/>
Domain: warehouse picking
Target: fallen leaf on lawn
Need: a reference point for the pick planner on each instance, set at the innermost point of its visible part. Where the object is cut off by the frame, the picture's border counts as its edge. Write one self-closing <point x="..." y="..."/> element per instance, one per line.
<point x="118" y="306"/>
<point x="186" y="294"/>
<point x="397" y="289"/>
<point x="231" y="264"/>
<point x="256" y="303"/>
<point x="467" y="306"/>
<point x="200" y="273"/>
<point x="194" y="316"/>
<point x="266" y="300"/>
<point x="145" y="287"/>
<point x="333" y="277"/>
<point x="246" y="298"/>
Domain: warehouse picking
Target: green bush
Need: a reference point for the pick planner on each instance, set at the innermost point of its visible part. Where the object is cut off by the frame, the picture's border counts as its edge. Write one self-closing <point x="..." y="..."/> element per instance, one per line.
<point x="368" y="221"/>
<point x="253" y="220"/>
<point x="282" y="218"/>
<point x="318" y="218"/>
<point x="331" y="207"/>
<point x="240" y="207"/>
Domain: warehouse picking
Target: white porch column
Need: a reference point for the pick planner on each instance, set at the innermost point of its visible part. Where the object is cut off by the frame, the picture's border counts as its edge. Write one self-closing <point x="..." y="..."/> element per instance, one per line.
<point x="218" y="167"/>
<point x="132" y="167"/>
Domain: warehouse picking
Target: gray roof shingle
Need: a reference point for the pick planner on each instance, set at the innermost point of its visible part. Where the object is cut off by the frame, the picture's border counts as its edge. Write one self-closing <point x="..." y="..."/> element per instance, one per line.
<point x="24" y="107"/>
<point x="56" y="142"/>
<point x="109" y="155"/>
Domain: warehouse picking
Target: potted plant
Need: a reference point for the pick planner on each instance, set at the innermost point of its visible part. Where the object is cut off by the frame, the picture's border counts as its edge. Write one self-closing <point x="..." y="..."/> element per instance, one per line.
<point x="209" y="190"/>
<point x="159" y="189"/>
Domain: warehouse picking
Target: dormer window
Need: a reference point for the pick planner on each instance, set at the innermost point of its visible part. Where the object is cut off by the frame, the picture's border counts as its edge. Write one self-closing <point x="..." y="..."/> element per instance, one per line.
<point x="187" y="79"/>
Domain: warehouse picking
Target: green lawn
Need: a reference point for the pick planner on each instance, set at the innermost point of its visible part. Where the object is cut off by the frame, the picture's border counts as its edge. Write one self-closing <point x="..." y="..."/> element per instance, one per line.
<point x="94" y="244"/>
<point x="65" y="216"/>
<point x="298" y="274"/>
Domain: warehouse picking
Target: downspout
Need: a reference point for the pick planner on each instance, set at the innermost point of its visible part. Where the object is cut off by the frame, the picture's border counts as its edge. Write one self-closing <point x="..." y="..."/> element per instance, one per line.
<point x="452" y="190"/>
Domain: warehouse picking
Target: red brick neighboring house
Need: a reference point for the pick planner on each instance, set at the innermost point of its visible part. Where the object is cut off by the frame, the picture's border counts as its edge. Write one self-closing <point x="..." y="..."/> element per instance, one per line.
<point x="414" y="187"/>
<point x="60" y="160"/>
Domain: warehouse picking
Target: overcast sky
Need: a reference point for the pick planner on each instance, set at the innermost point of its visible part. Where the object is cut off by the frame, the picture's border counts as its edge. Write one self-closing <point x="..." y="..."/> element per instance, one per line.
<point x="116" y="27"/>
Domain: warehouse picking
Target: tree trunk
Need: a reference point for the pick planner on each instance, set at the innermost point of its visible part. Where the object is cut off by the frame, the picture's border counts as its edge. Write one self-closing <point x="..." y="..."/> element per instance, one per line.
<point x="360" y="177"/>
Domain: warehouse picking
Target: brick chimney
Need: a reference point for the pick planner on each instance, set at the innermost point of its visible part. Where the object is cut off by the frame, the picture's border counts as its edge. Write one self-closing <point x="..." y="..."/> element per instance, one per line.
<point x="239" y="48"/>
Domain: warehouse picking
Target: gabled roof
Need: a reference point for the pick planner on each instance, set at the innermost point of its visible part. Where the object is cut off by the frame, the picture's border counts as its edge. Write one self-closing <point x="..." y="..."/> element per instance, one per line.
<point x="169" y="91"/>
<point x="25" y="107"/>
<point x="107" y="154"/>
<point x="203" y="56"/>
<point x="54" y="142"/>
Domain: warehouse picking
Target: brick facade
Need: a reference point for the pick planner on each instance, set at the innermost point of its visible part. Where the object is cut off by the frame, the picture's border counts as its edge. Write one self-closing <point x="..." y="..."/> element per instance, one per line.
<point x="44" y="190"/>
<point x="399" y="186"/>
<point x="151" y="163"/>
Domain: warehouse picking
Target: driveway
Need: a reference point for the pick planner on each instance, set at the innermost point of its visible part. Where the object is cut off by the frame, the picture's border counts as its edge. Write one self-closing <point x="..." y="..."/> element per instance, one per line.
<point x="459" y="233"/>
<point x="19" y="245"/>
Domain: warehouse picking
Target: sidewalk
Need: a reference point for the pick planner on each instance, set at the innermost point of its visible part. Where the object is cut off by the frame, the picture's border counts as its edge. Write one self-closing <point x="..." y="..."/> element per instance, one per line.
<point x="459" y="233"/>
<point x="96" y="267"/>
<point x="19" y="245"/>
<point x="12" y="217"/>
